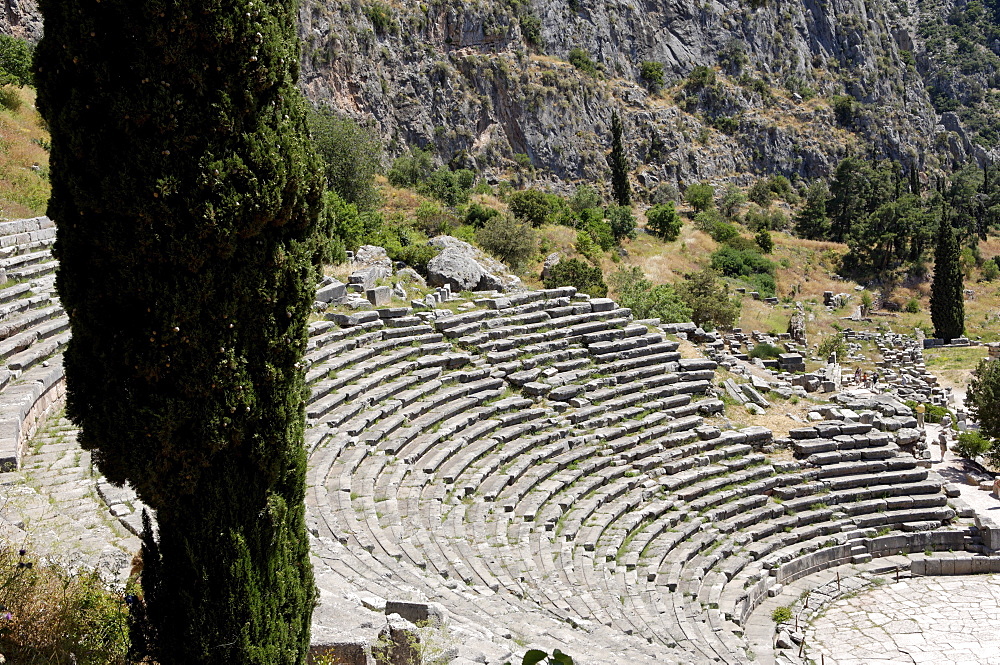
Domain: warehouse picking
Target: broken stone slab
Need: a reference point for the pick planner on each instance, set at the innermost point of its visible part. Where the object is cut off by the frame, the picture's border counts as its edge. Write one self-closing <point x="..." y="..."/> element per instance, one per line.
<point x="380" y="296"/>
<point x="349" y="320"/>
<point x="335" y="292"/>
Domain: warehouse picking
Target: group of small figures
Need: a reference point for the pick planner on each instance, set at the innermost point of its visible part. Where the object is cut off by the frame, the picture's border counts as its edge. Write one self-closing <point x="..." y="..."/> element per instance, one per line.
<point x="866" y="380"/>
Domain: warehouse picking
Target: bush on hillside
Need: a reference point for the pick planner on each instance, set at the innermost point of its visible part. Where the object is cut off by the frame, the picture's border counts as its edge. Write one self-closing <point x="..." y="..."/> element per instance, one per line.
<point x="663" y="221"/>
<point x="351" y="157"/>
<point x="582" y="61"/>
<point x="411" y="168"/>
<point x="16" y="57"/>
<point x="647" y="300"/>
<point x="574" y="272"/>
<point x="529" y="205"/>
<point x="621" y="222"/>
<point x="734" y="262"/>
<point x="509" y="240"/>
<point x="477" y="215"/>
<point x="700" y="197"/>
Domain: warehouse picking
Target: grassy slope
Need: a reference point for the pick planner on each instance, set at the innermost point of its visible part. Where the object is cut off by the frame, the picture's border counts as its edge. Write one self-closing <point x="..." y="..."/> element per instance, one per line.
<point x="24" y="163"/>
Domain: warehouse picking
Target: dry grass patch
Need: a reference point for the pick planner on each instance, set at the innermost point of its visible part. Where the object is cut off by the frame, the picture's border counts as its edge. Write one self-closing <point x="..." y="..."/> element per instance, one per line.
<point x="24" y="190"/>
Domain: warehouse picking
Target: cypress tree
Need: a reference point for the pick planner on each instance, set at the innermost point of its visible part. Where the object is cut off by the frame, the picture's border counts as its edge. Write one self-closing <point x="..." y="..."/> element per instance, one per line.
<point x="186" y="197"/>
<point x="947" y="289"/>
<point x="620" y="187"/>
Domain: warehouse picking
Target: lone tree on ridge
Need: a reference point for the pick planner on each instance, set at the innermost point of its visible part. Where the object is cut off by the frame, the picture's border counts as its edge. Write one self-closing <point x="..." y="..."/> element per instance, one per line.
<point x="186" y="195"/>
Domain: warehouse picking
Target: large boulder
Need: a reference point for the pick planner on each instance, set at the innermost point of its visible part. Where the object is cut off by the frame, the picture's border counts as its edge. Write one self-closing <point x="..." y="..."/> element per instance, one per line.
<point x="464" y="268"/>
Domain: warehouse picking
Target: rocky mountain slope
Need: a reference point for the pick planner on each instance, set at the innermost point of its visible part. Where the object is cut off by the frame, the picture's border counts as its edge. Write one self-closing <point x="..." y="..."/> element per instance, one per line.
<point x="793" y="87"/>
<point x="749" y="86"/>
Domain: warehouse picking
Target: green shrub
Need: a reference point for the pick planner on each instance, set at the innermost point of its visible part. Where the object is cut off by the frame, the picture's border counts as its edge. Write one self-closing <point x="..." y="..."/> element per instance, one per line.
<point x="762" y="283"/>
<point x="663" y="221"/>
<point x="531" y="29"/>
<point x="912" y="306"/>
<point x="621" y="221"/>
<point x="989" y="271"/>
<point x="734" y="262"/>
<point x="477" y="215"/>
<point x="380" y="14"/>
<point x="411" y="168"/>
<point x="511" y="241"/>
<point x="450" y="187"/>
<point x="585" y="197"/>
<point x="529" y="205"/>
<point x="574" y="272"/>
<point x="765" y="350"/>
<point x="351" y="156"/>
<point x="16" y="57"/>
<point x="586" y="246"/>
<point x="764" y="241"/>
<point x="700" y="196"/>
<point x="761" y="194"/>
<point x="845" y="108"/>
<point x="700" y="77"/>
<point x="581" y="60"/>
<point x="731" y="201"/>
<point x="646" y="300"/>
<point x="652" y="73"/>
<point x="781" y="614"/>
<point x="971" y="445"/>
<point x="832" y="344"/>
<point x="53" y="615"/>
<point x="600" y="230"/>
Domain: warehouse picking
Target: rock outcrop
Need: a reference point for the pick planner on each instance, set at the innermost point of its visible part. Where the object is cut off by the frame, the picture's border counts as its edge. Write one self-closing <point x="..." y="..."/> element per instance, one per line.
<point x="464" y="268"/>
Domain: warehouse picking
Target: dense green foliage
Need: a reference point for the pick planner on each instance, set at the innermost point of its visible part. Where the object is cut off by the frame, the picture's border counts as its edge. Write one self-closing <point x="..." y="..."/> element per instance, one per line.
<point x="663" y="221"/>
<point x="621" y="189"/>
<point x="888" y="222"/>
<point x="412" y="168"/>
<point x="647" y="300"/>
<point x="971" y="445"/>
<point x="351" y="157"/>
<point x="651" y="72"/>
<point x="700" y="196"/>
<point x="15" y="61"/>
<point x="983" y="397"/>
<point x="582" y="61"/>
<point x="187" y="199"/>
<point x="621" y="222"/>
<point x="574" y="272"/>
<point x="530" y="205"/>
<point x="765" y="350"/>
<point x="708" y="299"/>
<point x="513" y="242"/>
<point x="947" y="289"/>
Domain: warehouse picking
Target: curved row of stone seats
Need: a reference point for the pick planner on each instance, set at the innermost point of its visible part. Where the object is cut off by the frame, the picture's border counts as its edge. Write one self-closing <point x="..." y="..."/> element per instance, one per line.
<point x="443" y="558"/>
<point x="34" y="330"/>
<point x="853" y="483"/>
<point x="365" y="474"/>
<point x="536" y="457"/>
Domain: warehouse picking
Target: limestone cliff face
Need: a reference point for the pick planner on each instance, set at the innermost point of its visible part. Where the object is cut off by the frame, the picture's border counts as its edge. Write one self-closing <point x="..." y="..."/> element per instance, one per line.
<point x="462" y="78"/>
<point x="488" y="84"/>
<point x="21" y="19"/>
